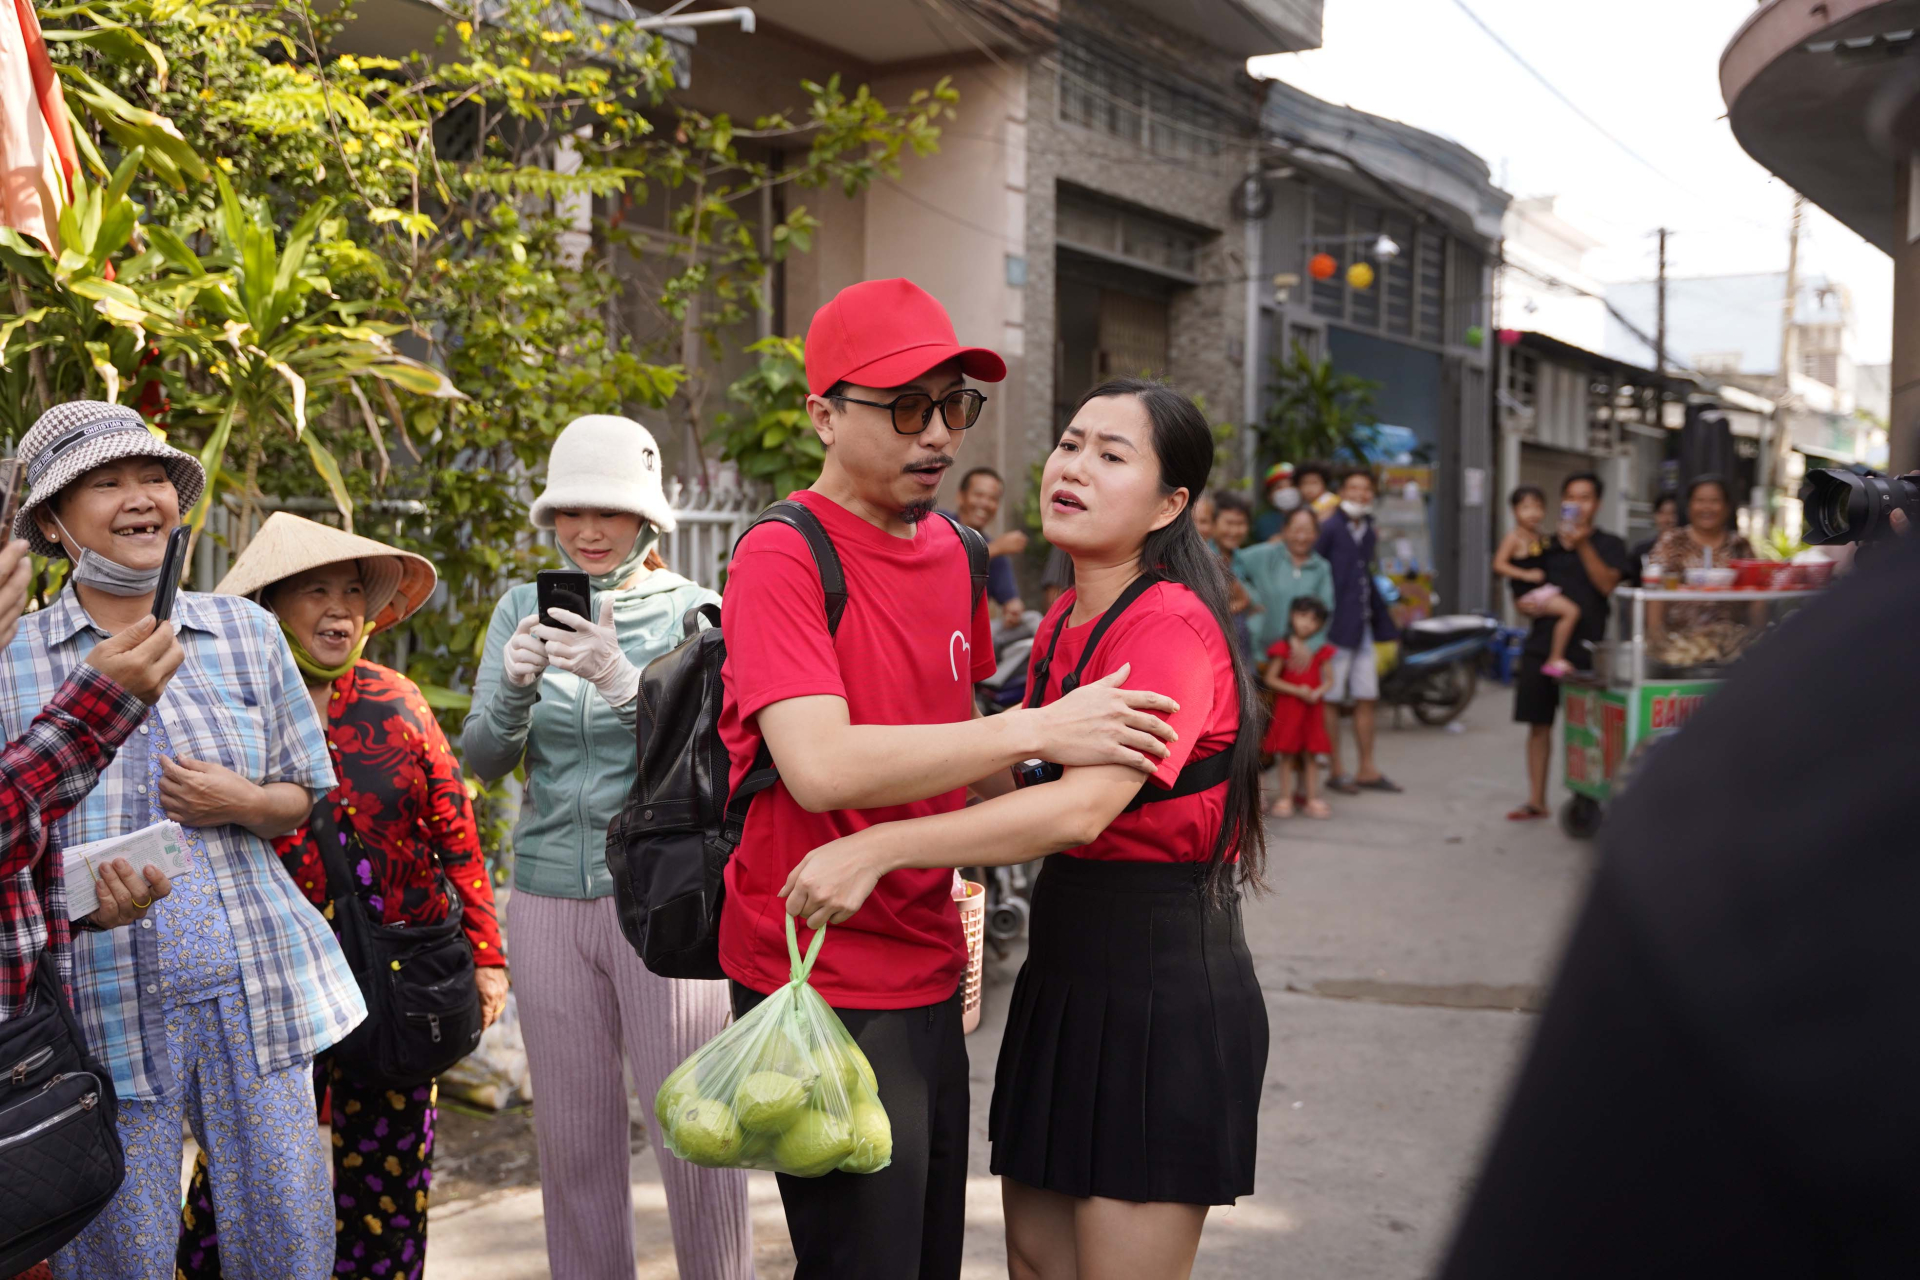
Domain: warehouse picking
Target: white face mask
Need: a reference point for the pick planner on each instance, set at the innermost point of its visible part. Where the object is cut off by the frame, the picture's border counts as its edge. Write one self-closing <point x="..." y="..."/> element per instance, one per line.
<point x="1286" y="500"/>
<point x="1356" y="510"/>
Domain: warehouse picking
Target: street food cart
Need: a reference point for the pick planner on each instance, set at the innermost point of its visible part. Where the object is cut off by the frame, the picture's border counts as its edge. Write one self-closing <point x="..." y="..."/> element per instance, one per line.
<point x="1669" y="651"/>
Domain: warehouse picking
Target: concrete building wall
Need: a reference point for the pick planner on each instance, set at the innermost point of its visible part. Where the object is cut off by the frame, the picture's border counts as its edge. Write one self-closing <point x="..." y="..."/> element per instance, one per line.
<point x="1207" y="319"/>
<point x="950" y="222"/>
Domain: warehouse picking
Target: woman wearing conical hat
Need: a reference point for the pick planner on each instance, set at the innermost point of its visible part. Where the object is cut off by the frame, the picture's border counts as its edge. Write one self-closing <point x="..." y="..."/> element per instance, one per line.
<point x="402" y="805"/>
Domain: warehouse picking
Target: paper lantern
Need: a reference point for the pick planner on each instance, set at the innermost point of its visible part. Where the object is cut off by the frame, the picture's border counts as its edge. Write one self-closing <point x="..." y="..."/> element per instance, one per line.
<point x="1475" y="336"/>
<point x="1509" y="337"/>
<point x="1360" y="276"/>
<point x="1322" y="266"/>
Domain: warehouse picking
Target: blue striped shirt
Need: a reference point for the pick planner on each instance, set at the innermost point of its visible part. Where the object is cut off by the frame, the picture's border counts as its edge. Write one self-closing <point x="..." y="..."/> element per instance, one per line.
<point x="238" y="700"/>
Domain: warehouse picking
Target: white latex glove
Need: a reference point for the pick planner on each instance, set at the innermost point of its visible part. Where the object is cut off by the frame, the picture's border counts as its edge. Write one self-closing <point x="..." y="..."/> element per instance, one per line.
<point x="524" y="657"/>
<point x="592" y="651"/>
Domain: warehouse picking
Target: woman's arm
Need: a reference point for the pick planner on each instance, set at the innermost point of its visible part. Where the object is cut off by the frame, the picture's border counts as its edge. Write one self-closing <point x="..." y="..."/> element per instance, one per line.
<point x="494" y="737"/>
<point x="827" y="762"/>
<point x="832" y="882"/>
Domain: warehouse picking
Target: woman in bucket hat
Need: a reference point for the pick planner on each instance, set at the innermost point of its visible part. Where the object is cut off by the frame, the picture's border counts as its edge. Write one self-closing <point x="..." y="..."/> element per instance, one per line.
<point x="562" y="701"/>
<point x="211" y="1009"/>
<point x="403" y="800"/>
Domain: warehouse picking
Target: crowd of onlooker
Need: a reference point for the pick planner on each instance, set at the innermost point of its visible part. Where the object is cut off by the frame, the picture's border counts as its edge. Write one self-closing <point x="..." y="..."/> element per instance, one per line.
<point x="1308" y="614"/>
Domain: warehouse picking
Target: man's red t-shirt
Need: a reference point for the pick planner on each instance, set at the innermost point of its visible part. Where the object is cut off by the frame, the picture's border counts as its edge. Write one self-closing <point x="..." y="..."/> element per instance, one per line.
<point x="908" y="651"/>
<point x="1176" y="648"/>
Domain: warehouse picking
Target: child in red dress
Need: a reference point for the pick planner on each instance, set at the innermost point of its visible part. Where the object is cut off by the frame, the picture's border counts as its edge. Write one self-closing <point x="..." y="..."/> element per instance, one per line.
<point x="1299" y="678"/>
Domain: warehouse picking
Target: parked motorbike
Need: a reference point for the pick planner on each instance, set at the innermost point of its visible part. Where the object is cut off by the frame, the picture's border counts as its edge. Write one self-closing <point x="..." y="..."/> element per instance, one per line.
<point x="1007" y="686"/>
<point x="1439" y="666"/>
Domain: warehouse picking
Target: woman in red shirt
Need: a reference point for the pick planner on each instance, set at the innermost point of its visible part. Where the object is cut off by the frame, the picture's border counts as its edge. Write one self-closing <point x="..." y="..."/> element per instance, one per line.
<point x="1127" y="1095"/>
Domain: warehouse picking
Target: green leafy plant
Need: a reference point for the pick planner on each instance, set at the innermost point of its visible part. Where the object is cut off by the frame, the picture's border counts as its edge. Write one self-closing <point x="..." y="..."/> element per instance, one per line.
<point x="461" y="218"/>
<point x="1317" y="412"/>
<point x="771" y="440"/>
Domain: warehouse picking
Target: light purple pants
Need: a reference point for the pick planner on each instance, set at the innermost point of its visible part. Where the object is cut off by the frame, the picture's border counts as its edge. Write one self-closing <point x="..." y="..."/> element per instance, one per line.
<point x="585" y="998"/>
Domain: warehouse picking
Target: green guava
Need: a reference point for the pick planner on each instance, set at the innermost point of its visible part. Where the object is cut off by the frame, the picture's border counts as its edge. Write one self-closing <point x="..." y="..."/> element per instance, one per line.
<point x="677" y="1091"/>
<point x="768" y="1101"/>
<point x="872" y="1139"/>
<point x="843" y="1065"/>
<point x="864" y="1069"/>
<point x="814" y="1144"/>
<point x="707" y="1133"/>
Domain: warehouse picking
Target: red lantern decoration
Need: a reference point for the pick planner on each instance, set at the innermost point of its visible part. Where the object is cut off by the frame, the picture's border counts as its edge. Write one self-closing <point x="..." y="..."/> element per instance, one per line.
<point x="1509" y="337"/>
<point x="1321" y="266"/>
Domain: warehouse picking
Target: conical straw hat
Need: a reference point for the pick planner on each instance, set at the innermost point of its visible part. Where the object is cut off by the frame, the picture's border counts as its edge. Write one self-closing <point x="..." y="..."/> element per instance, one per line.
<point x="397" y="582"/>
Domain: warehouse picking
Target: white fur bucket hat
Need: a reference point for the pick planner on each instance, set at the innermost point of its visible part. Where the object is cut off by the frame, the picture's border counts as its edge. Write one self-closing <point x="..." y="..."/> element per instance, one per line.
<point x="71" y="439"/>
<point x="604" y="463"/>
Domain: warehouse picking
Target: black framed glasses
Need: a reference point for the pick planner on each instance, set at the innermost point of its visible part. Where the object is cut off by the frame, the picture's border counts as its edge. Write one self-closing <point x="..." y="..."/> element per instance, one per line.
<point x="913" y="412"/>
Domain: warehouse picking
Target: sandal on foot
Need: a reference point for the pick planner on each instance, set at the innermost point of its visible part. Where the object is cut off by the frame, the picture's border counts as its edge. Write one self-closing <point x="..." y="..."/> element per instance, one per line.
<point x="1318" y="809"/>
<point x="1381" y="783"/>
<point x="1344" y="785"/>
<point x="1282" y="808"/>
<point x="1526" y="813"/>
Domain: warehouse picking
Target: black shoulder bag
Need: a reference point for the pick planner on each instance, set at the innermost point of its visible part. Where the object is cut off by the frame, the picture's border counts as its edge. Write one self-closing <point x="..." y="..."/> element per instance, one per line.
<point x="60" y="1154"/>
<point x="423" y="1005"/>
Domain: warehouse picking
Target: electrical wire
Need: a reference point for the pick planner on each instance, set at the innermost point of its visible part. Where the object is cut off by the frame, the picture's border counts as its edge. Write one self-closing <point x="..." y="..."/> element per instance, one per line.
<point x="1592" y="123"/>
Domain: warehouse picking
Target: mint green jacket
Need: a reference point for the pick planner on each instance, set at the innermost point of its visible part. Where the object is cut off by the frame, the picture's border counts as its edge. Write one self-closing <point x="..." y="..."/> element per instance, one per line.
<point x="579" y="751"/>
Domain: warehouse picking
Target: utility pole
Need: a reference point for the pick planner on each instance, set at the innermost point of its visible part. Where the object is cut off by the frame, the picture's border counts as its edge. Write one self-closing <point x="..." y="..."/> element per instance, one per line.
<point x="1660" y="314"/>
<point x="1783" y="438"/>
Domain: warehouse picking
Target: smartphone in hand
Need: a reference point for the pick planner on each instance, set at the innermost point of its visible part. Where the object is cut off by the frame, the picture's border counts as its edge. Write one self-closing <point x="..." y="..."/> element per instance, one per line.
<point x="563" y="589"/>
<point x="172" y="565"/>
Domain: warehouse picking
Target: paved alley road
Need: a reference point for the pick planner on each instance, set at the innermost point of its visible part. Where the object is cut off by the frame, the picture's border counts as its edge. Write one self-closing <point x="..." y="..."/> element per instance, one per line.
<point x="1395" y="944"/>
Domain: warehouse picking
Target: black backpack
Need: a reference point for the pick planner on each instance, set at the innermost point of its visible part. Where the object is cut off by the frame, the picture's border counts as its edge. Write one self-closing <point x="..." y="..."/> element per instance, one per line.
<point x="668" y="849"/>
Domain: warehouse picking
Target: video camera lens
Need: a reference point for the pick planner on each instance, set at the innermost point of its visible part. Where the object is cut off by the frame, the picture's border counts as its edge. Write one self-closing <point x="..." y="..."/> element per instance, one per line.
<point x="1849" y="506"/>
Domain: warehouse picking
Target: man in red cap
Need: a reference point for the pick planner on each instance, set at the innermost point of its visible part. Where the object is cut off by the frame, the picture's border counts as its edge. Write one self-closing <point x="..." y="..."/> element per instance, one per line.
<point x="871" y="722"/>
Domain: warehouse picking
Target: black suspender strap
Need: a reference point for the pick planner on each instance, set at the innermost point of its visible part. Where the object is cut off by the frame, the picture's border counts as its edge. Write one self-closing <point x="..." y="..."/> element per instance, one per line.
<point x="1196" y="775"/>
<point x="1042" y="671"/>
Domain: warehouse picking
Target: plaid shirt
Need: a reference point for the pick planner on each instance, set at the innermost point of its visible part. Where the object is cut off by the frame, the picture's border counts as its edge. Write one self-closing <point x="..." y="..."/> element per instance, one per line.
<point x="46" y="772"/>
<point x="239" y="700"/>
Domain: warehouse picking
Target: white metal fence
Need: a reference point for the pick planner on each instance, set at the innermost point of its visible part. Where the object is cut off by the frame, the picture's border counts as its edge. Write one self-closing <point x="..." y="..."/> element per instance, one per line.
<point x="710" y="520"/>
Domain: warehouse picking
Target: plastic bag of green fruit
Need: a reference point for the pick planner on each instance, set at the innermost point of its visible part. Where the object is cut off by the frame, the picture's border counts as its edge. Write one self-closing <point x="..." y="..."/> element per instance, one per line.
<point x="785" y="1088"/>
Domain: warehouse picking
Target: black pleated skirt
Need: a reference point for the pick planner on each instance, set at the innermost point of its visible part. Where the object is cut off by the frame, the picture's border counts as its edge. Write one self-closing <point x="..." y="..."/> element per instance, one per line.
<point x="1136" y="1043"/>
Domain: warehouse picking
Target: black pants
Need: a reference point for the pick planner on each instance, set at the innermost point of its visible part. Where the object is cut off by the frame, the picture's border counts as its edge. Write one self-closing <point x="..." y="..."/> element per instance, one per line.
<point x="908" y="1220"/>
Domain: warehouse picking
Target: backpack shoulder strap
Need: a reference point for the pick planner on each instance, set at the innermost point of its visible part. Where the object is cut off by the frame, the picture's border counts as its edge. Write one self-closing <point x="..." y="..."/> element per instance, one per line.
<point x="977" y="559"/>
<point x="833" y="578"/>
<point x="833" y="584"/>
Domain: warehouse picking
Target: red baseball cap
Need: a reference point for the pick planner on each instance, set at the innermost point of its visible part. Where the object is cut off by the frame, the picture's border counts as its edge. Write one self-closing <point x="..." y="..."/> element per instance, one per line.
<point x="884" y="333"/>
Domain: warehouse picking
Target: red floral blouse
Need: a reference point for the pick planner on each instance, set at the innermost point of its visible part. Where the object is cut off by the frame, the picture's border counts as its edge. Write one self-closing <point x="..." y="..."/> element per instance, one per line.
<point x="402" y="794"/>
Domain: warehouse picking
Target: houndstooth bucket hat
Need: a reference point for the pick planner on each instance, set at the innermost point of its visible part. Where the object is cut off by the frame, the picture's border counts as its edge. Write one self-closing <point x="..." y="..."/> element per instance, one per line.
<point x="72" y="439"/>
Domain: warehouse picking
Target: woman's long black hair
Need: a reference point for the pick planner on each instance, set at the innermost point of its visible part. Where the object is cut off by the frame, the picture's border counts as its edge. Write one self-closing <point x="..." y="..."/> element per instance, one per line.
<point x="1183" y="441"/>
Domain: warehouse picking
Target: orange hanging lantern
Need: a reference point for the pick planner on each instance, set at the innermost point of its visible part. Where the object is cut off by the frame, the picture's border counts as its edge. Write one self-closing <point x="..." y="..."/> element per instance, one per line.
<point x="1360" y="276"/>
<point x="1321" y="266"/>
